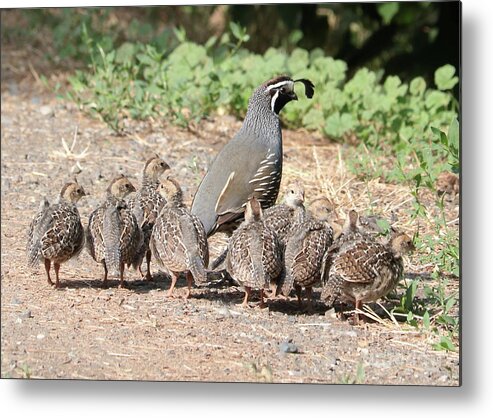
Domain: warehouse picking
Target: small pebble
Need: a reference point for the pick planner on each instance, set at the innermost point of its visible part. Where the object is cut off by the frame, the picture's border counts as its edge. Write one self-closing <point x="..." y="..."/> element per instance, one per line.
<point x="13" y="90"/>
<point x="46" y="110"/>
<point x="224" y="312"/>
<point x="288" y="347"/>
<point x="332" y="361"/>
<point x="331" y="313"/>
<point x="40" y="336"/>
<point x="26" y="314"/>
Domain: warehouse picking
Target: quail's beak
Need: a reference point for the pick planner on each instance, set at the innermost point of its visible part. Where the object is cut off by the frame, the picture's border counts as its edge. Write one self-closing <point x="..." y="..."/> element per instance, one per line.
<point x="293" y="96"/>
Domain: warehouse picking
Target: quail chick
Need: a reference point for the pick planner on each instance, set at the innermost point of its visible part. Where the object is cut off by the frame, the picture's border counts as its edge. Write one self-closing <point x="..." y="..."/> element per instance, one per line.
<point x="250" y="164"/>
<point x="306" y="245"/>
<point x="281" y="218"/>
<point x="364" y="270"/>
<point x="56" y="234"/>
<point x="113" y="235"/>
<point x="178" y="240"/>
<point x="147" y="204"/>
<point x="254" y="257"/>
<point x="352" y="230"/>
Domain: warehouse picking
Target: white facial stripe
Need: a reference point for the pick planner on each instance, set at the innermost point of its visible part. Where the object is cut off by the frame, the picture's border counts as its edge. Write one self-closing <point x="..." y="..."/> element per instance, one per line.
<point x="288" y="83"/>
<point x="273" y="100"/>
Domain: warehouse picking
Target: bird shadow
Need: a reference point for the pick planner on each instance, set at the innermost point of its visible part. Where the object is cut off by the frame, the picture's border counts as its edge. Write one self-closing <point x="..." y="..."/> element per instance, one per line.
<point x="159" y="281"/>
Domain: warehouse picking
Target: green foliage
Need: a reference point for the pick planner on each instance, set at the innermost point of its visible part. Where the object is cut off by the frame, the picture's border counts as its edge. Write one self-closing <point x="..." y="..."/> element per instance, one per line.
<point x="186" y="81"/>
<point x="387" y="10"/>
<point x="357" y="379"/>
<point x="445" y="78"/>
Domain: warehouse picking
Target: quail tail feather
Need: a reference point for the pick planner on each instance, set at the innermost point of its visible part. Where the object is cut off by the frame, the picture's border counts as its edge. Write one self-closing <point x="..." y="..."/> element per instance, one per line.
<point x="111" y="238"/>
<point x="38" y="227"/>
<point x="197" y="269"/>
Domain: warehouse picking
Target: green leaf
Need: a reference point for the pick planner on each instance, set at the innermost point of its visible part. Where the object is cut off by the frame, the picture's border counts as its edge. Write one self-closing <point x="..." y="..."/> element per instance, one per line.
<point x="449" y="304"/>
<point x="444" y="77"/>
<point x="393" y="86"/>
<point x="336" y="124"/>
<point x="383" y="225"/>
<point x="436" y="99"/>
<point x="444" y="344"/>
<point x="238" y="32"/>
<point x="145" y="59"/>
<point x="125" y="53"/>
<point x="298" y="61"/>
<point x="417" y="86"/>
<point x="314" y="119"/>
<point x="453" y="134"/>
<point x="406" y="133"/>
<point x="387" y="11"/>
<point x="426" y="320"/>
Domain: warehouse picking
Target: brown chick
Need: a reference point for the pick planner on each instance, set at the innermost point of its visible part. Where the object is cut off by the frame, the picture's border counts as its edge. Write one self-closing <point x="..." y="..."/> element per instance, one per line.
<point x="254" y="257"/>
<point x="56" y="234"/>
<point x="113" y="235"/>
<point x="364" y="270"/>
<point x="146" y="204"/>
<point x="306" y="245"/>
<point x="178" y="241"/>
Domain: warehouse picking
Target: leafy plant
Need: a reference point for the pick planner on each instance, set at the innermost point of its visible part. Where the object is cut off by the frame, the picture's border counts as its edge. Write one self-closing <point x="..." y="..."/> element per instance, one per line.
<point x="357" y="379"/>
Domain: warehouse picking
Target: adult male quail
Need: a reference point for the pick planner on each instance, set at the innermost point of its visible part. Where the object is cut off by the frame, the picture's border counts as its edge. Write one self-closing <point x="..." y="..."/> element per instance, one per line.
<point x="281" y="217"/>
<point x="178" y="240"/>
<point x="365" y="270"/>
<point x="113" y="235"/>
<point x="56" y="234"/>
<point x="250" y="164"/>
<point x="254" y="257"/>
<point x="306" y="245"/>
<point x="147" y="203"/>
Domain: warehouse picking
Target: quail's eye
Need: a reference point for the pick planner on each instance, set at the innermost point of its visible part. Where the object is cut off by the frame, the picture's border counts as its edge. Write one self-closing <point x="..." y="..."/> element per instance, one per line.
<point x="292" y="191"/>
<point x="282" y="90"/>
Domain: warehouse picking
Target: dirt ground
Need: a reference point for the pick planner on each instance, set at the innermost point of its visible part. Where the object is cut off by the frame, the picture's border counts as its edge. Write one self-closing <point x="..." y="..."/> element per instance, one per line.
<point x="83" y="331"/>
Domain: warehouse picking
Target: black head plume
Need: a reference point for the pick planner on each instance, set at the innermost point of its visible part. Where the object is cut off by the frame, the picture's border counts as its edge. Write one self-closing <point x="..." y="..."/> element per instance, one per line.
<point x="309" y="87"/>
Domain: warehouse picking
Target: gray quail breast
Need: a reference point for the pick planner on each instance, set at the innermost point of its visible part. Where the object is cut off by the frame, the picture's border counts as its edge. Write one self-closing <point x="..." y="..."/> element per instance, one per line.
<point x="306" y="245"/>
<point x="281" y="217"/>
<point x="178" y="240"/>
<point x="113" y="235"/>
<point x="250" y="164"/>
<point x="56" y="233"/>
<point x="254" y="257"/>
<point x="364" y="270"/>
<point x="146" y="204"/>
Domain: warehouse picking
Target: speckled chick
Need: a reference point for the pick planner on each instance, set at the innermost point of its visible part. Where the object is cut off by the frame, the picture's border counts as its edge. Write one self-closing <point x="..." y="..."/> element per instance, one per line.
<point x="306" y="245"/>
<point x="364" y="270"/>
<point x="146" y="204"/>
<point x="56" y="234"/>
<point x="178" y="240"/>
<point x="113" y="235"/>
<point x="281" y="217"/>
<point x="254" y="257"/>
